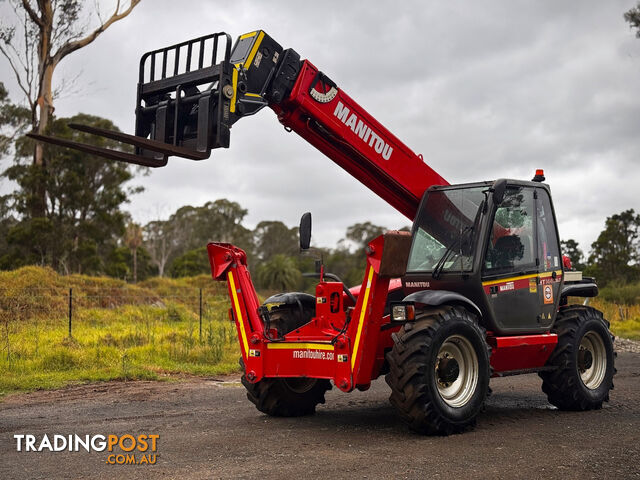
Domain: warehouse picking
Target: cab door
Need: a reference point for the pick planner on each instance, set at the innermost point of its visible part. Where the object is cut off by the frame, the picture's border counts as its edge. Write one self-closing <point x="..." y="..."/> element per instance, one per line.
<point x="550" y="261"/>
<point x="510" y="266"/>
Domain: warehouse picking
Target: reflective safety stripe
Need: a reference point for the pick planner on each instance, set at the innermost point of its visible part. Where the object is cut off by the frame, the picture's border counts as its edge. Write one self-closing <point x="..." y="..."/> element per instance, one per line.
<point x="236" y="307"/>
<point x="234" y="82"/>
<point x="254" y="50"/>
<point x="550" y="274"/>
<point x="521" y="277"/>
<point x="299" y="346"/>
<point x="361" y="320"/>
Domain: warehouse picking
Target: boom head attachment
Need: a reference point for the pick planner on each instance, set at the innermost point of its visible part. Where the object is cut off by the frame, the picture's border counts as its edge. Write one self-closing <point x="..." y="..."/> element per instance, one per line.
<point x="190" y="94"/>
<point x="182" y="98"/>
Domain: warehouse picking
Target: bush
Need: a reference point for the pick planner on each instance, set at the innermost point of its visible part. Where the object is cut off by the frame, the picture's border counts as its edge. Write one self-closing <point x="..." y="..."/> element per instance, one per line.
<point x="194" y="262"/>
<point x="622" y="294"/>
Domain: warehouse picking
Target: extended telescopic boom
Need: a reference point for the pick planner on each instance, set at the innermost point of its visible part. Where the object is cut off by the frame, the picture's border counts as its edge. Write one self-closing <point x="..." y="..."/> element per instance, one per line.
<point x="190" y="94"/>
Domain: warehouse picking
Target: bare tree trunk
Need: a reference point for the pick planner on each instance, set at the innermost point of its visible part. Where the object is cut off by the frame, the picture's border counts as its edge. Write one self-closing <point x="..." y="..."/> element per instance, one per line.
<point x="162" y="258"/>
<point x="45" y="106"/>
<point x="54" y="40"/>
<point x="135" y="265"/>
<point x="44" y="102"/>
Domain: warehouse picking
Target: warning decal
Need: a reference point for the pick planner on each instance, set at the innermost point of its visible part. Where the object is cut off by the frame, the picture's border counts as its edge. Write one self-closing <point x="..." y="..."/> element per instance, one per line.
<point x="548" y="294"/>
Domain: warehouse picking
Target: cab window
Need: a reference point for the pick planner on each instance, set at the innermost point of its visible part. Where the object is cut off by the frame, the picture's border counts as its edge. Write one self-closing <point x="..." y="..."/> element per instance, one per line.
<point x="548" y="248"/>
<point x="511" y="245"/>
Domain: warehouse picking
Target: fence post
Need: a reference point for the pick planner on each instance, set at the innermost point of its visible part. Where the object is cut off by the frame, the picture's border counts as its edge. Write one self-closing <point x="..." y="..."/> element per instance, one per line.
<point x="201" y="315"/>
<point x="70" y="309"/>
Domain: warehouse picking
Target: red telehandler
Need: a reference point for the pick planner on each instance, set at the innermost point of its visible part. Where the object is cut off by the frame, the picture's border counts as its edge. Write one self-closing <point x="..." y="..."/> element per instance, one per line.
<point x="477" y="289"/>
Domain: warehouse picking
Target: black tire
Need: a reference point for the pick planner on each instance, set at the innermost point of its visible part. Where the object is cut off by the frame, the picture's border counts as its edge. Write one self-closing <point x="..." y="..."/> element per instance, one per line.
<point x="286" y="397"/>
<point x="284" y="322"/>
<point x="418" y="389"/>
<point x="580" y="330"/>
<point x="291" y="310"/>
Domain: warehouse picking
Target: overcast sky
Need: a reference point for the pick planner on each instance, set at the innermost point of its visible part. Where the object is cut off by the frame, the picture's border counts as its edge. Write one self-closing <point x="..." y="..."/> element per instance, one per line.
<point x="482" y="89"/>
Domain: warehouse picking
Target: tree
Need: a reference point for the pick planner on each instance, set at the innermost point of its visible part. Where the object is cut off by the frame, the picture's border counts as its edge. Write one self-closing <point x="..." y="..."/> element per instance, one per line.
<point x="273" y="238"/>
<point x="13" y="120"/>
<point x="633" y="17"/>
<point x="133" y="240"/>
<point x="162" y="239"/>
<point x="348" y="266"/>
<point x="349" y="263"/>
<point x="615" y="255"/>
<point x="279" y="273"/>
<point x="191" y="228"/>
<point x="7" y="221"/>
<point x="218" y="221"/>
<point x="119" y="260"/>
<point x="362" y="233"/>
<point x="571" y="250"/>
<point x="194" y="262"/>
<point x="118" y="263"/>
<point x="50" y="30"/>
<point x="81" y="217"/>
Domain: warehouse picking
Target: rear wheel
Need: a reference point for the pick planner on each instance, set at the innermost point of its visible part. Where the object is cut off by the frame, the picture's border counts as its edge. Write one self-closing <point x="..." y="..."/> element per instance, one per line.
<point x="439" y="371"/>
<point x="289" y="311"/>
<point x="583" y="360"/>
<point x="286" y="397"/>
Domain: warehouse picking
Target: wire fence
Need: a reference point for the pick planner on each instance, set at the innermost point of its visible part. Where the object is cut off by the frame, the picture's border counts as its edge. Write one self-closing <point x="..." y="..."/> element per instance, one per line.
<point x="196" y="302"/>
<point x="48" y="303"/>
<point x="143" y="326"/>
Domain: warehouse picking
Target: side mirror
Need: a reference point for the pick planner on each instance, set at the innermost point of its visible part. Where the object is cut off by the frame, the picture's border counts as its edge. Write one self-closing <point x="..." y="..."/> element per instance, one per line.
<point x="499" y="187"/>
<point x="305" y="231"/>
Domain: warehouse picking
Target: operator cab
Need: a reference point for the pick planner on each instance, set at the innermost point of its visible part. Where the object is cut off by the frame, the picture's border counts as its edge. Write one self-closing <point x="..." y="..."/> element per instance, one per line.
<point x="492" y="246"/>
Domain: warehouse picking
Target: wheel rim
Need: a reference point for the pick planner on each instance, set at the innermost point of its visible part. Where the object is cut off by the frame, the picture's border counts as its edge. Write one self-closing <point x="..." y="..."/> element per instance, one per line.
<point x="456" y="392"/>
<point x="592" y="360"/>
<point x="299" y="384"/>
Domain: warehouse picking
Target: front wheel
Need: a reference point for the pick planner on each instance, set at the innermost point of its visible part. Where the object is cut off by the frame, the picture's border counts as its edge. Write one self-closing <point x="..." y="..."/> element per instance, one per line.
<point x="439" y="371"/>
<point x="583" y="360"/>
<point x="286" y="397"/>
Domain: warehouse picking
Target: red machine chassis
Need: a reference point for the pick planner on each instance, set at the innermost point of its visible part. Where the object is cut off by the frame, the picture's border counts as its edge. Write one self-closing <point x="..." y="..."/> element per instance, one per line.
<point x="332" y="347"/>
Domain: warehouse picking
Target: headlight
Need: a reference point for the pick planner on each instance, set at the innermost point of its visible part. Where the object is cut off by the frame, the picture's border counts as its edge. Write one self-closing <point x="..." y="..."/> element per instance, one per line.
<point x="403" y="312"/>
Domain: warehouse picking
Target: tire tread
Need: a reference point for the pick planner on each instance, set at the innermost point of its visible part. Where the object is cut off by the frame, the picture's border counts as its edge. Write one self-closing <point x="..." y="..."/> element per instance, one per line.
<point x="273" y="397"/>
<point x="562" y="385"/>
<point x="407" y="364"/>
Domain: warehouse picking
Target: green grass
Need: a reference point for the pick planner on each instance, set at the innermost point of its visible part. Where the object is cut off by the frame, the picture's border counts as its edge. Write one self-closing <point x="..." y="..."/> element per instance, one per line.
<point x="628" y="294"/>
<point x="621" y="306"/>
<point x="144" y="331"/>
<point x="120" y="332"/>
<point x="624" y="319"/>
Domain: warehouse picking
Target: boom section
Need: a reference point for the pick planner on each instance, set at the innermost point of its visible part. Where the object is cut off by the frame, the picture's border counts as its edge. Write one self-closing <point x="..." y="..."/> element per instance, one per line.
<point x="324" y="115"/>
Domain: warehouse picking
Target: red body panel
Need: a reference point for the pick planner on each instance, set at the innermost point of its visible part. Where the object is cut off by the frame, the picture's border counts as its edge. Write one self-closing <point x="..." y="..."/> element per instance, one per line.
<point x="317" y="349"/>
<point x="524" y="352"/>
<point x="348" y="135"/>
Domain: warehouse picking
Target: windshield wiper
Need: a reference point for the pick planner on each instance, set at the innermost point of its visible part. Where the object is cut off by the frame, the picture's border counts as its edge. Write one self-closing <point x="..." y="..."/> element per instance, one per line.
<point x="437" y="271"/>
<point x="440" y="265"/>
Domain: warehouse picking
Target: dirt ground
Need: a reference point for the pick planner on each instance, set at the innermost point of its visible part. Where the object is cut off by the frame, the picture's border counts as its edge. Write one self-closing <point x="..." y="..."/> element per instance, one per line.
<point x="208" y="429"/>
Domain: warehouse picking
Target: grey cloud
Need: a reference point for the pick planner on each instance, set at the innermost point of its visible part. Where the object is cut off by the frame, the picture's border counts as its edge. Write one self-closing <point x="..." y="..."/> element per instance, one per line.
<point x="482" y="89"/>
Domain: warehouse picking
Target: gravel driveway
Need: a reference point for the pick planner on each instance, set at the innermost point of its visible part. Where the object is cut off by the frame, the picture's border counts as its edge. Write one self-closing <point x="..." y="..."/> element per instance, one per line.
<point x="208" y="429"/>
